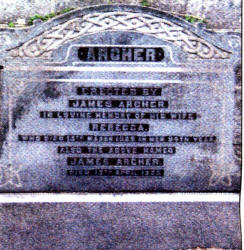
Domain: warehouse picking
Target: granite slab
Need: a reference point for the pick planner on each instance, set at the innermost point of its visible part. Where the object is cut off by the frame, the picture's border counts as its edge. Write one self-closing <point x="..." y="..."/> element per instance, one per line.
<point x="119" y="98"/>
<point x="158" y="226"/>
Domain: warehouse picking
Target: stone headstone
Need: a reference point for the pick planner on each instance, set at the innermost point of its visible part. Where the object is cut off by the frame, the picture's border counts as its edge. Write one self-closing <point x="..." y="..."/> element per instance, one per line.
<point x="118" y="98"/>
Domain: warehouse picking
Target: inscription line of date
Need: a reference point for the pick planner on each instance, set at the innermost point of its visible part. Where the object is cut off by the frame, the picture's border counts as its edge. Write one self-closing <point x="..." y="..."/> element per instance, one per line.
<point x="116" y="138"/>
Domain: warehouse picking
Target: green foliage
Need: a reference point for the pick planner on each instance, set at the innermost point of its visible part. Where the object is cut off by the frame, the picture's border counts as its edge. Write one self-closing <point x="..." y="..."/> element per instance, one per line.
<point x="193" y="19"/>
<point x="64" y="11"/>
<point x="11" y="25"/>
<point x="48" y="16"/>
<point x="145" y="3"/>
<point x="35" y="17"/>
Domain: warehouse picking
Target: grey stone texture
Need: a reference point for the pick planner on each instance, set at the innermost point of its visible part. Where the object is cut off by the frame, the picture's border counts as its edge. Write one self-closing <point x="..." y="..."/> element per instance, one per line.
<point x="12" y="10"/>
<point x="218" y="14"/>
<point x="115" y="226"/>
<point x="237" y="140"/>
<point x="177" y="6"/>
<point x="212" y="67"/>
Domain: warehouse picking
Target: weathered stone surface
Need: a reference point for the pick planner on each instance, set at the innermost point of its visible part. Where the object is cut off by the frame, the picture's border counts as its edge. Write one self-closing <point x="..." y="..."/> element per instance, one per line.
<point x="218" y="14"/>
<point x="12" y="10"/>
<point x="237" y="140"/>
<point x="177" y="6"/>
<point x="59" y="5"/>
<point x="120" y="226"/>
<point x="195" y="7"/>
<point x="195" y="74"/>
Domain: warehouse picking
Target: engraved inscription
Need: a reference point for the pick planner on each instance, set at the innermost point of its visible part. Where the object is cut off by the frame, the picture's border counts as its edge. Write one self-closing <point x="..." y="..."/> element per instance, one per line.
<point x="123" y="150"/>
<point x="106" y="54"/>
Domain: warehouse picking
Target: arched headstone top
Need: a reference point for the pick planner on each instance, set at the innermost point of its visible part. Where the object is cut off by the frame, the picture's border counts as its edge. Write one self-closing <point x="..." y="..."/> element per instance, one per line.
<point x="40" y="41"/>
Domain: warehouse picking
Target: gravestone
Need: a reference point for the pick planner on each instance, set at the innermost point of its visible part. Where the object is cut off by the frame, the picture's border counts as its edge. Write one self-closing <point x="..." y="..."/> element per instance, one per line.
<point x="118" y="98"/>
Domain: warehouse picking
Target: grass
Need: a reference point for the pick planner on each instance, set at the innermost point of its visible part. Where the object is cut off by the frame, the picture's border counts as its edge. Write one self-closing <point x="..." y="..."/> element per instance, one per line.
<point x="193" y="19"/>
<point x="145" y="3"/>
<point x="48" y="16"/>
<point x="11" y="25"/>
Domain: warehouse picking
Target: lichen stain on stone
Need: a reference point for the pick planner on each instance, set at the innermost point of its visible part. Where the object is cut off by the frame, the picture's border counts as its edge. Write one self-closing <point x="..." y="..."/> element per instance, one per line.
<point x="50" y="92"/>
<point x="24" y="102"/>
<point x="20" y="109"/>
<point x="3" y="135"/>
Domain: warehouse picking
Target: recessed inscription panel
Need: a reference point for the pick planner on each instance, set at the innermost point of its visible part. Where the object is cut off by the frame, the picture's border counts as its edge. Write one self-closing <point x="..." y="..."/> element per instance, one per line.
<point x="120" y="54"/>
<point x="117" y="135"/>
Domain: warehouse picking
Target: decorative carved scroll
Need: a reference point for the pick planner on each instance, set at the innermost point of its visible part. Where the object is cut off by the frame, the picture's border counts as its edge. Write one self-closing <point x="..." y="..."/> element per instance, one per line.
<point x="43" y="45"/>
<point x="9" y="175"/>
